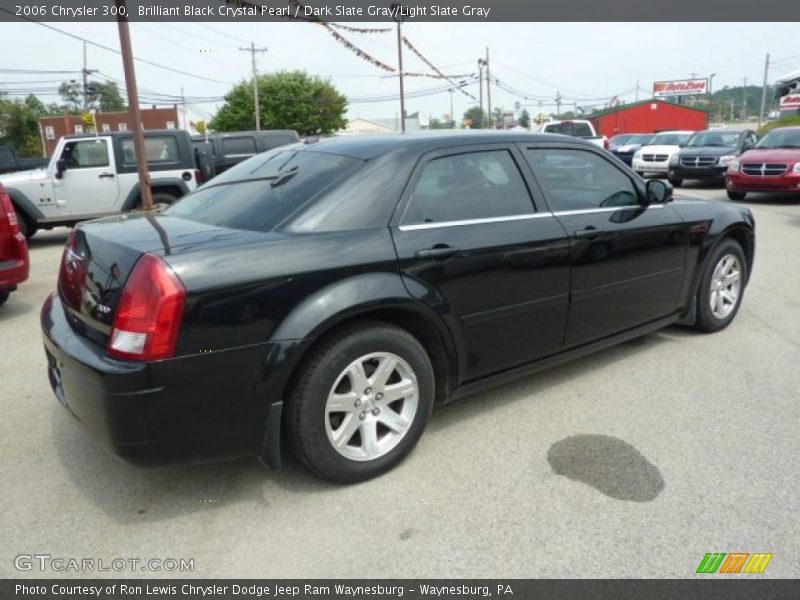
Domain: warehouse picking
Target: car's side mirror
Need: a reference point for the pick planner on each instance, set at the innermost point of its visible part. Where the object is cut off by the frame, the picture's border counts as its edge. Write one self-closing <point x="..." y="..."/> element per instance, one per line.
<point x="61" y="166"/>
<point x="658" y="192"/>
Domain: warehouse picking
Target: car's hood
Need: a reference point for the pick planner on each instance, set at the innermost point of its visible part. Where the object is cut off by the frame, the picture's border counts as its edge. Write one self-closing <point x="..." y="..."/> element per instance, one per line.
<point x="627" y="148"/>
<point x="659" y="149"/>
<point x="12" y="179"/>
<point x="709" y="151"/>
<point x="772" y="155"/>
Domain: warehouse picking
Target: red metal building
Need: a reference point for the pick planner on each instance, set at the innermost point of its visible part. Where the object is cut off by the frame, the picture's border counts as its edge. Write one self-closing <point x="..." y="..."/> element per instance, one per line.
<point x="648" y="116"/>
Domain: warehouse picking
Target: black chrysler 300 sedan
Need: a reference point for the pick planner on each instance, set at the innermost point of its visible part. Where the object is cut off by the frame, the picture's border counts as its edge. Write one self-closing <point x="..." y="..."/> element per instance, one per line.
<point x="333" y="293"/>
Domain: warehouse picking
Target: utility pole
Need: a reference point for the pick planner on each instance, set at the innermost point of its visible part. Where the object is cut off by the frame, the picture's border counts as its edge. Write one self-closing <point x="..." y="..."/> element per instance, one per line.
<point x="133" y="105"/>
<point x="558" y="103"/>
<point x="480" y="87"/>
<point x="763" y="92"/>
<point x="86" y="72"/>
<point x="252" y="50"/>
<point x="452" y="116"/>
<point x="400" y="71"/>
<point x="183" y="124"/>
<point x="488" y="91"/>
<point x="744" y="99"/>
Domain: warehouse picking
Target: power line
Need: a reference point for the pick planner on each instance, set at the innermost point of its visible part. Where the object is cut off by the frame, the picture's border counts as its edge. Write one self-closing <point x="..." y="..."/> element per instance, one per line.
<point x="115" y="51"/>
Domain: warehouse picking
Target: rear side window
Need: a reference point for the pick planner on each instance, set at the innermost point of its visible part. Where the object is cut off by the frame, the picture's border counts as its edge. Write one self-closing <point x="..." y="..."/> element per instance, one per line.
<point x="476" y="185"/>
<point x="158" y="149"/>
<point x="277" y="186"/>
<point x="238" y="146"/>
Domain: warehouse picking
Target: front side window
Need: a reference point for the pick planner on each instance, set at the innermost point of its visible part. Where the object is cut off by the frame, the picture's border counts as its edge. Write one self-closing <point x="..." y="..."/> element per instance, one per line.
<point x="475" y="185"/>
<point x="580" y="180"/>
<point x="85" y="154"/>
<point x="158" y="149"/>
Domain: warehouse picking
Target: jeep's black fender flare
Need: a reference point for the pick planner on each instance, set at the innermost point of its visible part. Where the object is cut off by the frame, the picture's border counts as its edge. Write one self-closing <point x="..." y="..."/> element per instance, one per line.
<point x="156" y="185"/>
<point x="24" y="205"/>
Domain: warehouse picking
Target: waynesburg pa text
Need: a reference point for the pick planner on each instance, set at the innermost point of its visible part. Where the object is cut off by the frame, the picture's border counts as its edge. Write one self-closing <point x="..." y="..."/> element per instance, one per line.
<point x="341" y="10"/>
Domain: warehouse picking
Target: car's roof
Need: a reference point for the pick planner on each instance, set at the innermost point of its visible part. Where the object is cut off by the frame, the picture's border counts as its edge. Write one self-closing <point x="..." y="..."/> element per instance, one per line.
<point x="371" y="146"/>
<point x="147" y="133"/>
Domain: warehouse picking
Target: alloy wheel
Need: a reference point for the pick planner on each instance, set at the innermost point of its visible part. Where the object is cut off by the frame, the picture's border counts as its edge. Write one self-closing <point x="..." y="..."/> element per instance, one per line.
<point x="371" y="406"/>
<point x="726" y="285"/>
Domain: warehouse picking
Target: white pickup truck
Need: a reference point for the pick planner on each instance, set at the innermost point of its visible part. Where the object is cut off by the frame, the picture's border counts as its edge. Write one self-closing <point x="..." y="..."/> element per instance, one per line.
<point x="577" y="128"/>
<point x="95" y="176"/>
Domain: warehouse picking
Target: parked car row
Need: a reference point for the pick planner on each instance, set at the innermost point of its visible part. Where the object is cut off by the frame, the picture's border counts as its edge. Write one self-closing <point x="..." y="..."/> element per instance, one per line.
<point x="733" y="157"/>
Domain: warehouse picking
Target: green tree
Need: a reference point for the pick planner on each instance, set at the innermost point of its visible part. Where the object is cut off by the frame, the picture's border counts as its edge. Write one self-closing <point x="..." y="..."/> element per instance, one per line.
<point x="441" y="123"/>
<point x="525" y="119"/>
<point x="106" y="97"/>
<point x="497" y="116"/>
<point x="72" y="95"/>
<point x="19" y="125"/>
<point x="101" y="95"/>
<point x="476" y="117"/>
<point x="288" y="100"/>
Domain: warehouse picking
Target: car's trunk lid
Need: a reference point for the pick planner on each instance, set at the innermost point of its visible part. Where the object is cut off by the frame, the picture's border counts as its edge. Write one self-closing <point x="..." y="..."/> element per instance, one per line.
<point x="100" y="256"/>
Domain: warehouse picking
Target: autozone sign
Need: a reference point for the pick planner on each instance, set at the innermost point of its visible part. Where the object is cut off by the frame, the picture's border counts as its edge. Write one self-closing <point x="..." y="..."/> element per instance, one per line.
<point x="791" y="101"/>
<point x="685" y="87"/>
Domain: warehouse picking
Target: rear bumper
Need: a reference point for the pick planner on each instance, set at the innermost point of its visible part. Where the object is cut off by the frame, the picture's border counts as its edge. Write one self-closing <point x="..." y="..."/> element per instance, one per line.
<point x="189" y="409"/>
<point x="680" y="172"/>
<point x="785" y="184"/>
<point x="14" y="269"/>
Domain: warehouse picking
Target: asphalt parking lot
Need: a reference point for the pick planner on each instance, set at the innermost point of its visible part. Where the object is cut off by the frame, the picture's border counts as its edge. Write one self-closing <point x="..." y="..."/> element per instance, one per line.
<point x="633" y="462"/>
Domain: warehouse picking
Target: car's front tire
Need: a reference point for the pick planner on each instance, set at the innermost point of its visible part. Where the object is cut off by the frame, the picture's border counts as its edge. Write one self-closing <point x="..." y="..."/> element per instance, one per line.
<point x="4" y="297"/>
<point x="721" y="287"/>
<point x="361" y="402"/>
<point x="736" y="196"/>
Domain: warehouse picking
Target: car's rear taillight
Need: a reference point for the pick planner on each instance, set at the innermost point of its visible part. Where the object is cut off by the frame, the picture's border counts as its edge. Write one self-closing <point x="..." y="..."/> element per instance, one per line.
<point x="73" y="272"/>
<point x="149" y="313"/>
<point x="11" y="215"/>
<point x="198" y="176"/>
<point x="606" y="143"/>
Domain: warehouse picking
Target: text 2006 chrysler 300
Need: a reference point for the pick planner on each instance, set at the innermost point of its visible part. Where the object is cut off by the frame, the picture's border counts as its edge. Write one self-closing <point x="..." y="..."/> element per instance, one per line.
<point x="333" y="293"/>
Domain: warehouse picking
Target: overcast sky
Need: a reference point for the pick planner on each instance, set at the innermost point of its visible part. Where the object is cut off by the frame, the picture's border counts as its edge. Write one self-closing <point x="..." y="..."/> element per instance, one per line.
<point x="580" y="60"/>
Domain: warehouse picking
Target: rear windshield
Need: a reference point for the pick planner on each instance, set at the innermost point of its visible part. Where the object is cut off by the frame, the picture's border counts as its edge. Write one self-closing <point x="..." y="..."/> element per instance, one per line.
<point x="570" y="128"/>
<point x="261" y="192"/>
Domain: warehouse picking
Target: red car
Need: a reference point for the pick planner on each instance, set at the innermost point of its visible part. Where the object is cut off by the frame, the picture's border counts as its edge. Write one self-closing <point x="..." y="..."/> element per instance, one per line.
<point x="14" y="262"/>
<point x="772" y="166"/>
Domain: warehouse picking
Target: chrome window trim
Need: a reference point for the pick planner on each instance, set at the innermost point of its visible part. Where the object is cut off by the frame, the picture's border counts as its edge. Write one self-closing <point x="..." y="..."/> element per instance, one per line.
<point x="586" y="211"/>
<point x="418" y="226"/>
<point x="527" y="216"/>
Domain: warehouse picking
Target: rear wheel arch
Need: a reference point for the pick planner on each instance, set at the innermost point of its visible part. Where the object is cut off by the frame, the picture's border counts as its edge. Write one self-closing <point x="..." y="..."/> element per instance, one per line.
<point x="422" y="327"/>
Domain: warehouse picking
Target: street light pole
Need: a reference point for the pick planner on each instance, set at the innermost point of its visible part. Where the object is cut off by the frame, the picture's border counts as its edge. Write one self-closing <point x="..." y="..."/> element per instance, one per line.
<point x="133" y="105"/>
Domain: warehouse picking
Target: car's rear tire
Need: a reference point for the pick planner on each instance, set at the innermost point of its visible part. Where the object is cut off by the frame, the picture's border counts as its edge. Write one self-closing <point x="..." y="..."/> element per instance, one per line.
<point x="361" y="402"/>
<point x="4" y="297"/>
<point x="736" y="196"/>
<point x="676" y="182"/>
<point x="721" y="287"/>
<point x="162" y="200"/>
